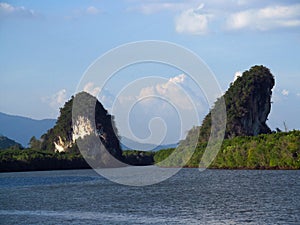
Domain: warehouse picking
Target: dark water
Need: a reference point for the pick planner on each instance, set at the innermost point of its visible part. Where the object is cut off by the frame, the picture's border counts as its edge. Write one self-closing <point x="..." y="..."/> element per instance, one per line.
<point x="190" y="197"/>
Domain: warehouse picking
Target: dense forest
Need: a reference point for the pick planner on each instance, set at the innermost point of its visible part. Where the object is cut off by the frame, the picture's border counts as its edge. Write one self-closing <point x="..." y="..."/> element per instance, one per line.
<point x="14" y="160"/>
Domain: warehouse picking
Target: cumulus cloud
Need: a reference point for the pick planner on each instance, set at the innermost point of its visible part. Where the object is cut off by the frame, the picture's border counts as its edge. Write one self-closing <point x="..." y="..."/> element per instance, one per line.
<point x="105" y="96"/>
<point x="285" y="92"/>
<point x="7" y="10"/>
<point x="170" y="90"/>
<point x="180" y="90"/>
<point x="107" y="99"/>
<point x="192" y="21"/>
<point x="224" y="14"/>
<point x="237" y="74"/>
<point x="56" y="100"/>
<point x="91" y="89"/>
<point x="92" y="10"/>
<point x="267" y="18"/>
<point x="172" y="101"/>
<point x="178" y="79"/>
<point x="59" y="98"/>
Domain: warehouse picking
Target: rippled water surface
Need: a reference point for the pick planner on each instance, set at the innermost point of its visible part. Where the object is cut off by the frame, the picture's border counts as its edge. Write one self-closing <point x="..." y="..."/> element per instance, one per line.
<point x="190" y="197"/>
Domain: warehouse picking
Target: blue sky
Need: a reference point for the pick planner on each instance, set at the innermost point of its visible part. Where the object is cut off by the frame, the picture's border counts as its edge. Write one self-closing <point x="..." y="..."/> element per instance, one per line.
<point x="45" y="46"/>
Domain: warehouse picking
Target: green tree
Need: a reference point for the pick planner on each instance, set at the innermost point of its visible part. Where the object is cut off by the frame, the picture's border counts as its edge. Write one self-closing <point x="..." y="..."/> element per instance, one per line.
<point x="35" y="143"/>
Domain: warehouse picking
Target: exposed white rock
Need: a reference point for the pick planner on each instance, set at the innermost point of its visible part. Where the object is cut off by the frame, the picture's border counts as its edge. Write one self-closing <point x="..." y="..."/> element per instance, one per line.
<point x="81" y="128"/>
<point x="61" y="146"/>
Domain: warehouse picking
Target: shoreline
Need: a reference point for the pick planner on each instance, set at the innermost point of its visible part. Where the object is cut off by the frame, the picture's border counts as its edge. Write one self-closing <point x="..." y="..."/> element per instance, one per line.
<point x="86" y="167"/>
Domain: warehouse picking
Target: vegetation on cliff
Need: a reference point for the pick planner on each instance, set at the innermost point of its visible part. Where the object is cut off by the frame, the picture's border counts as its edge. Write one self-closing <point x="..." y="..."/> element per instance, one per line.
<point x="248" y="104"/>
<point x="90" y="121"/>
<point x="248" y="142"/>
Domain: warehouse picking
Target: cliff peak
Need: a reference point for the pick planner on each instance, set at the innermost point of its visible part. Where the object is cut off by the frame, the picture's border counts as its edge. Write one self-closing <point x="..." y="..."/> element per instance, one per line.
<point x="248" y="104"/>
<point x="89" y="119"/>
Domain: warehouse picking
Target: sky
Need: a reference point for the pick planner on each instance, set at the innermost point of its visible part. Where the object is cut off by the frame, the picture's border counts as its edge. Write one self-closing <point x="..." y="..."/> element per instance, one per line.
<point x="46" y="46"/>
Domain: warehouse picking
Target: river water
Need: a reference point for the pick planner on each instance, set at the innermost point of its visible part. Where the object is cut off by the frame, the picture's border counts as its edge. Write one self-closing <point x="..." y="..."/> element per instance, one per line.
<point x="189" y="197"/>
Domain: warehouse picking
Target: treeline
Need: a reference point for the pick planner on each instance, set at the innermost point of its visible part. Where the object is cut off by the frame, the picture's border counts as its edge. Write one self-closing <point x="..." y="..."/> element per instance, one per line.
<point x="34" y="160"/>
<point x="266" y="151"/>
<point x="15" y="160"/>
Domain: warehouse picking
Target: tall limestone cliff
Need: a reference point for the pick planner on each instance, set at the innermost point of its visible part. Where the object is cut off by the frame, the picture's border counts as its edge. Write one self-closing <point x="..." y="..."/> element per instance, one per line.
<point x="248" y="104"/>
<point x="92" y="128"/>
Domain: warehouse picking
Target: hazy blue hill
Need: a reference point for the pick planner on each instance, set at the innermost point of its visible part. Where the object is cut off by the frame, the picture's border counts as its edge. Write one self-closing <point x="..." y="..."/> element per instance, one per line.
<point x="133" y="145"/>
<point x="21" y="129"/>
<point x="5" y="143"/>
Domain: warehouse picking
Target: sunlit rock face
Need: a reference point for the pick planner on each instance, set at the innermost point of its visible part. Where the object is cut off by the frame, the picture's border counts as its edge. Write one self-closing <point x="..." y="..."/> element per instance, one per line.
<point x="81" y="128"/>
<point x="62" y="146"/>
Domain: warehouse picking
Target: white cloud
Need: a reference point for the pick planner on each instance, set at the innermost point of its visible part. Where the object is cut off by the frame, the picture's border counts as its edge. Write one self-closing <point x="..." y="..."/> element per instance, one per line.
<point x="9" y="10"/>
<point x="171" y="100"/>
<point x="298" y="94"/>
<point x="220" y="14"/>
<point x="106" y="98"/>
<point x="57" y="100"/>
<point x="91" y="89"/>
<point x="180" y="90"/>
<point x="151" y="7"/>
<point x="285" y="92"/>
<point x="7" y="7"/>
<point x="267" y="18"/>
<point x="155" y="7"/>
<point x="177" y="90"/>
<point x="178" y="79"/>
<point x="192" y="21"/>
<point x="92" y="10"/>
<point x="169" y="90"/>
<point x="237" y="74"/>
<point x="177" y="101"/>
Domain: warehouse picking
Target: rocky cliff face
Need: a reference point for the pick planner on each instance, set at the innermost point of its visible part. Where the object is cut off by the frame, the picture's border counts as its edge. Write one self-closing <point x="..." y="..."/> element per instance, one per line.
<point x="248" y="104"/>
<point x="96" y="125"/>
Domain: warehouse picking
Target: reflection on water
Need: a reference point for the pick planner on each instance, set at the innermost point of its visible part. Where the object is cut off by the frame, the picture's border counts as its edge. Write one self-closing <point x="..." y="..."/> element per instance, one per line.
<point x="190" y="197"/>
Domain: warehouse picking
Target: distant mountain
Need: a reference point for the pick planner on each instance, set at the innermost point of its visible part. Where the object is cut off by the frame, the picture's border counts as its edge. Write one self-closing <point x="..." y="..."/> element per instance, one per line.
<point x="128" y="144"/>
<point x="21" y="129"/>
<point x="5" y="143"/>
